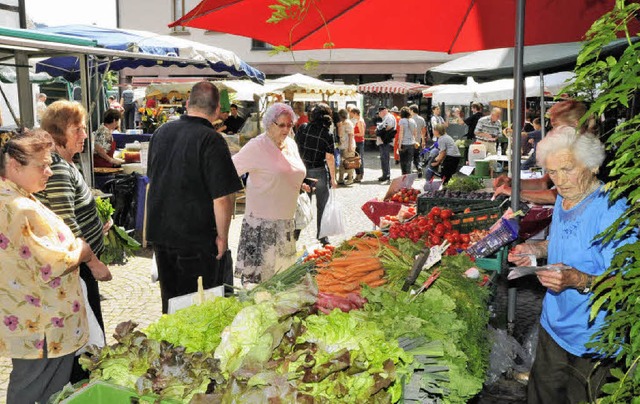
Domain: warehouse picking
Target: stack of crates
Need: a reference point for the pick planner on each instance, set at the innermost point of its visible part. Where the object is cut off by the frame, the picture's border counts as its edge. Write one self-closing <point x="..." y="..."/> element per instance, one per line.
<point x="481" y="215"/>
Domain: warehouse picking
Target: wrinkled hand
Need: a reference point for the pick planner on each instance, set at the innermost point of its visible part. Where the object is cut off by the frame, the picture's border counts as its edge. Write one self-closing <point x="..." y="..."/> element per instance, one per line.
<point x="306" y="188"/>
<point x="558" y="281"/>
<point x="502" y="190"/>
<point x="221" y="243"/>
<point x="501" y="180"/>
<point x="334" y="184"/>
<point x="99" y="270"/>
<point x="107" y="226"/>
<point x="518" y="255"/>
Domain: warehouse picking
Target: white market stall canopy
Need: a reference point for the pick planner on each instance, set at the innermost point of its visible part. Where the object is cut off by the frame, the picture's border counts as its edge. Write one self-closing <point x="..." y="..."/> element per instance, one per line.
<point x="459" y="94"/>
<point x="391" y="87"/>
<point x="300" y="83"/>
<point x="298" y="86"/>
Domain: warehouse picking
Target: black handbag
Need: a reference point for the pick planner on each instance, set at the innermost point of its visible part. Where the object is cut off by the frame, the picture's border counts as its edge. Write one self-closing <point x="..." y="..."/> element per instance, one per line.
<point x="224" y="276"/>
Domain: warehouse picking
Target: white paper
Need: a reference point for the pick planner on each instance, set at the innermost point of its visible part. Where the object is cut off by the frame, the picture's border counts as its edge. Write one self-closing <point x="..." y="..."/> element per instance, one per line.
<point x="466" y="170"/>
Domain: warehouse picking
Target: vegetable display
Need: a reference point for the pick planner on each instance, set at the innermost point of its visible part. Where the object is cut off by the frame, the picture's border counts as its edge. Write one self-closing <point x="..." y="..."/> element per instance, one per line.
<point x="118" y="245"/>
<point x="335" y="328"/>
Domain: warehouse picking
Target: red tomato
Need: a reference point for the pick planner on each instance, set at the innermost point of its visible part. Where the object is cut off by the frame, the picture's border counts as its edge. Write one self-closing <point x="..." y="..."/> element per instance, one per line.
<point x="446" y="214"/>
<point x="447" y="225"/>
<point x="465" y="239"/>
<point x="439" y="230"/>
<point x="435" y="240"/>
<point x="435" y="211"/>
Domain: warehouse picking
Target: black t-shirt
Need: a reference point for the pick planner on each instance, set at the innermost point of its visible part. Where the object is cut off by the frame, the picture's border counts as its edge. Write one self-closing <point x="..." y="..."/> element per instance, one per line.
<point x="472" y="122"/>
<point x="189" y="166"/>
<point x="314" y="142"/>
<point x="234" y="124"/>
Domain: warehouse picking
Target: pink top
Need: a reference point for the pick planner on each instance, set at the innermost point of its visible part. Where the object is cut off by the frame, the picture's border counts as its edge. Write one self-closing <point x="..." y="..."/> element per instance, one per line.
<point x="275" y="177"/>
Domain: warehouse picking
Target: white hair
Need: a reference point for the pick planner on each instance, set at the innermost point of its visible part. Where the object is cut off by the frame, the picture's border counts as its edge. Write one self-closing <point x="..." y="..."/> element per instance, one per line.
<point x="586" y="148"/>
<point x="274" y="111"/>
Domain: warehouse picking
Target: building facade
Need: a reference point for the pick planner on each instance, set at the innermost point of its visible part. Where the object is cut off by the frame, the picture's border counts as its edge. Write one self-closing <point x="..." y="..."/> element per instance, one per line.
<point x="341" y="65"/>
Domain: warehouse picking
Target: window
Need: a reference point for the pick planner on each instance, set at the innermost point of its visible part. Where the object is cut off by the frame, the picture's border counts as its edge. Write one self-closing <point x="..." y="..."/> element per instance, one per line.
<point x="260" y="45"/>
<point x="177" y="12"/>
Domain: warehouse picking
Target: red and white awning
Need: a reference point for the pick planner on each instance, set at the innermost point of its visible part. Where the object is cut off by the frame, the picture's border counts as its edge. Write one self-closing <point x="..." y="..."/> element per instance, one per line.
<point x="391" y="87"/>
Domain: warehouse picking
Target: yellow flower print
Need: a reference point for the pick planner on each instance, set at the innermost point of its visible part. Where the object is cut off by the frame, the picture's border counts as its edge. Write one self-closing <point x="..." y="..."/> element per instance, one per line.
<point x="32" y="326"/>
<point x="55" y="348"/>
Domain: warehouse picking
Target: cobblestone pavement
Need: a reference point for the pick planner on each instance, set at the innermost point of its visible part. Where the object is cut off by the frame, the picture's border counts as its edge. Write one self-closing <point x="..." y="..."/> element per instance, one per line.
<point x="132" y="296"/>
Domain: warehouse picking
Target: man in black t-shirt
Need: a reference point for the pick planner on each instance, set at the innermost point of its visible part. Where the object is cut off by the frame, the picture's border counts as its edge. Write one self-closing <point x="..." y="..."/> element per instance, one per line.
<point x="234" y="122"/>
<point x="189" y="204"/>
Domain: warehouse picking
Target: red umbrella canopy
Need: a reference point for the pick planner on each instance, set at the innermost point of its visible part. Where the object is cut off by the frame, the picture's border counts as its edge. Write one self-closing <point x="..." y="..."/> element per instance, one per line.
<point x="453" y="26"/>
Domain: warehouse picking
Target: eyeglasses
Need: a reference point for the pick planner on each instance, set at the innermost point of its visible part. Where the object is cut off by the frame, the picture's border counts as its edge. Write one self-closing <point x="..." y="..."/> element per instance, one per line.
<point x="283" y="125"/>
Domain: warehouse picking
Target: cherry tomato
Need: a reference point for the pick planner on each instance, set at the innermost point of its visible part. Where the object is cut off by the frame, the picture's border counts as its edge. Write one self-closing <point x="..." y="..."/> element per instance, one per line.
<point x="445" y="214"/>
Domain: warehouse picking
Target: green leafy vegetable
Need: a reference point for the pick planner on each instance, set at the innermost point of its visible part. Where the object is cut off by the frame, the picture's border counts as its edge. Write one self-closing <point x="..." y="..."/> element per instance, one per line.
<point x="118" y="245"/>
<point x="198" y="328"/>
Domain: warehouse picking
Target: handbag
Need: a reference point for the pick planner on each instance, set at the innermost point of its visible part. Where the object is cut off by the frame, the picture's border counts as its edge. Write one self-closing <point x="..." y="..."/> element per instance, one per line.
<point x="350" y="163"/>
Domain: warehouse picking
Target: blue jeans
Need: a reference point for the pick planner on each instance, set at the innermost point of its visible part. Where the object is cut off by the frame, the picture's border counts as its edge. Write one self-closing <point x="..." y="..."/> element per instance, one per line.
<point x="385" y="155"/>
<point x="360" y="150"/>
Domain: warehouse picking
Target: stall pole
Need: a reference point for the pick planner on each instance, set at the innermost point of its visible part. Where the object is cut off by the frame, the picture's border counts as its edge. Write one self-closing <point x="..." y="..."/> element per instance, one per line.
<point x="517" y="123"/>
<point x="543" y="129"/>
<point x="25" y="95"/>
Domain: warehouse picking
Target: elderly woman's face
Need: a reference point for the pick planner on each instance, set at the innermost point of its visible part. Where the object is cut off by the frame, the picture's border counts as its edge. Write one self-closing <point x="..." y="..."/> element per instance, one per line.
<point x="33" y="177"/>
<point x="75" y="134"/>
<point x="282" y="126"/>
<point x="571" y="178"/>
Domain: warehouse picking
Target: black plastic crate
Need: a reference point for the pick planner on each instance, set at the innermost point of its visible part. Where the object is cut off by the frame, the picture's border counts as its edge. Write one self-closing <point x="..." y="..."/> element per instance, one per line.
<point x="457" y="205"/>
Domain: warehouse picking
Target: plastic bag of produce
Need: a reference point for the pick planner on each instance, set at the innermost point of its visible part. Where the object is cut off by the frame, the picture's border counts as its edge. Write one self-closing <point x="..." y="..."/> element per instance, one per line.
<point x="332" y="223"/>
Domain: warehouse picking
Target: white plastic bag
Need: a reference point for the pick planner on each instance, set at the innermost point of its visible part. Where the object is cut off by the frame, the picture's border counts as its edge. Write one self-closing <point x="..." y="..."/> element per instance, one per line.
<point x="332" y="223"/>
<point x="304" y="214"/>
<point x="154" y="269"/>
<point x="96" y="335"/>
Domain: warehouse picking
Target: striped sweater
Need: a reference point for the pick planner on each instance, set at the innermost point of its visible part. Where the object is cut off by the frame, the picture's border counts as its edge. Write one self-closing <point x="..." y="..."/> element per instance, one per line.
<point x="69" y="197"/>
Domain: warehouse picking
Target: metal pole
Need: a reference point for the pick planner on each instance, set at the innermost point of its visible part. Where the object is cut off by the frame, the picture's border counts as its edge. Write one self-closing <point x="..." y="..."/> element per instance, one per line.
<point x="543" y="130"/>
<point x="25" y="93"/>
<point x="86" y="157"/>
<point x="518" y="78"/>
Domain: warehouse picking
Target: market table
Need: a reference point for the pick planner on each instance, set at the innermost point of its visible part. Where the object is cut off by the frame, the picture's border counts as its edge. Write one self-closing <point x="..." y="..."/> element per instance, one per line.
<point x="122" y="139"/>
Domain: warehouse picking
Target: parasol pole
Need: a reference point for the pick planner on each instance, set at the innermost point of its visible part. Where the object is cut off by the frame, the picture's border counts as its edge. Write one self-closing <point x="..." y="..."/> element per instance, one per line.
<point x="518" y="79"/>
<point x="543" y="129"/>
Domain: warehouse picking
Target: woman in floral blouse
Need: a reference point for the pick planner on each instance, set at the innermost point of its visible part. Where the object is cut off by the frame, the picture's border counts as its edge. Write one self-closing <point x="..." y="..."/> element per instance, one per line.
<point x="43" y="313"/>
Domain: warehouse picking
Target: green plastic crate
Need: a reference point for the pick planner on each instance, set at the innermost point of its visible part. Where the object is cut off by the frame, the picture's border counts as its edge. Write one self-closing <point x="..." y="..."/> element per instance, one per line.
<point x="495" y="262"/>
<point x="100" y="392"/>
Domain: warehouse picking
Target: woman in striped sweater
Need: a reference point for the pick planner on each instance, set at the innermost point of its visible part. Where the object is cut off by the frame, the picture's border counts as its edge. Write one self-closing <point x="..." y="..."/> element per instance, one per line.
<point x="67" y="194"/>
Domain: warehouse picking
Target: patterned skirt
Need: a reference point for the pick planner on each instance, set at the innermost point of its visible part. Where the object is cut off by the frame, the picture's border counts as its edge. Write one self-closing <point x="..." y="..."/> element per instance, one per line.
<point x="266" y="247"/>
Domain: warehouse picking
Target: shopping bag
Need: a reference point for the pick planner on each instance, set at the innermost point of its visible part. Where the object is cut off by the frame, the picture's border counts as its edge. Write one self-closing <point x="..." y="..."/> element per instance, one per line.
<point x="332" y="223"/>
<point x="304" y="215"/>
<point x="96" y="335"/>
<point x="154" y="269"/>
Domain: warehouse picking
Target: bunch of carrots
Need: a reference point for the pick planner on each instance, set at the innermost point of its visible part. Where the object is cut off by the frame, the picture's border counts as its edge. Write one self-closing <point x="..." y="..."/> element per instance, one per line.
<point x="346" y="274"/>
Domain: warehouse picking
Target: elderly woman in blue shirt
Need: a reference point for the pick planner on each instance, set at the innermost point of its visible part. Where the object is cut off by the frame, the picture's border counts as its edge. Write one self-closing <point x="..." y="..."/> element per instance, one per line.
<point x="564" y="369"/>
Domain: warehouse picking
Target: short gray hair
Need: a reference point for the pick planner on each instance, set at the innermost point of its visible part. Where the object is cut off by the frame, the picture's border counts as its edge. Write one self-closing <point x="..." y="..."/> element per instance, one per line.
<point x="586" y="148"/>
<point x="274" y="111"/>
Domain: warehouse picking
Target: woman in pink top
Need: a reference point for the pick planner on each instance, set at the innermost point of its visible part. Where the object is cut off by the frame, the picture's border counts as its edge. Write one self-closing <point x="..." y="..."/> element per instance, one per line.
<point x="275" y="179"/>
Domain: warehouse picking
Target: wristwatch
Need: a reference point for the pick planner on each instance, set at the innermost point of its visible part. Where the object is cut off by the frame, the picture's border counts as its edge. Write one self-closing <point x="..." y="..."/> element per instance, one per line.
<point x="588" y="285"/>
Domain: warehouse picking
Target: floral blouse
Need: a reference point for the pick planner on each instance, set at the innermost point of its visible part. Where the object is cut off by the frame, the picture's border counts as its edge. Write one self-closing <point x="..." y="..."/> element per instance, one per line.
<point x="36" y="300"/>
<point x="102" y="137"/>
